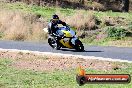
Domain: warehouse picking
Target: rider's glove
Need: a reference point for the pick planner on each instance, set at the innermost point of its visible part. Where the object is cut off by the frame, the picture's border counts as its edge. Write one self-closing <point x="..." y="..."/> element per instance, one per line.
<point x="67" y="27"/>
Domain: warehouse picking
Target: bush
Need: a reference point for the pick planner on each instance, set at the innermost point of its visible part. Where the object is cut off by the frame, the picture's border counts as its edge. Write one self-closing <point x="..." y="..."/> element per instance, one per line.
<point x="116" y="33"/>
<point x="129" y="29"/>
<point x="82" y="21"/>
<point x="16" y="25"/>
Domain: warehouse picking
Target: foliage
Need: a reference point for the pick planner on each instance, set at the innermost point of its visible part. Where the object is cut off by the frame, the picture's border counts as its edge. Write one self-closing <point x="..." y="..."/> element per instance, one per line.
<point x="116" y="32"/>
<point x="83" y="20"/>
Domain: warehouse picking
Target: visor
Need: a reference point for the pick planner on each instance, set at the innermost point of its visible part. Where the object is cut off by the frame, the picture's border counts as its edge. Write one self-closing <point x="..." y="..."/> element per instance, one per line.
<point x="56" y="19"/>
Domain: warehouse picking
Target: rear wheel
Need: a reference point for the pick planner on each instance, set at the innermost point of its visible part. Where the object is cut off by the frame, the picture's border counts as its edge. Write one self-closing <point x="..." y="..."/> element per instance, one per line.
<point x="52" y="42"/>
<point x="79" y="46"/>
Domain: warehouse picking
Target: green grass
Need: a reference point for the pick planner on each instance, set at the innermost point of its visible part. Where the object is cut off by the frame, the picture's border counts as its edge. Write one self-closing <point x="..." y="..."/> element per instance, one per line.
<point x="17" y="78"/>
<point x="128" y="16"/>
<point x="124" y="42"/>
<point x="102" y="42"/>
<point x="46" y="12"/>
<point x="1" y="35"/>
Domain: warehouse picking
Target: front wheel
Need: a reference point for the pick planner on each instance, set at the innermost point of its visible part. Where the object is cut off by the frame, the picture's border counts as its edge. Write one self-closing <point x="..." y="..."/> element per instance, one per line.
<point x="79" y="46"/>
<point x="52" y="42"/>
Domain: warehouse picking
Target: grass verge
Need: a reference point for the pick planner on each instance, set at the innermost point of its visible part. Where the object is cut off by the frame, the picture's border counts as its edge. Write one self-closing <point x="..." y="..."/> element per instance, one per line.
<point x="21" y="78"/>
<point x="124" y="42"/>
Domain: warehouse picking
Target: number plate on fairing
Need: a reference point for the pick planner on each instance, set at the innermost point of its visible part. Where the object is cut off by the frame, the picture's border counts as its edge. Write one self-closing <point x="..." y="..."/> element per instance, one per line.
<point x="66" y="39"/>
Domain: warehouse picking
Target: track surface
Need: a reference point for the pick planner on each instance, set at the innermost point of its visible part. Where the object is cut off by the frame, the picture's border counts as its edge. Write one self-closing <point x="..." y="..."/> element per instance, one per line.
<point x="98" y="51"/>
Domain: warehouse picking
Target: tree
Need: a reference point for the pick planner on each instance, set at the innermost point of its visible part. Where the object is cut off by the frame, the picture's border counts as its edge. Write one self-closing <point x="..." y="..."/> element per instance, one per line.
<point x="125" y="7"/>
<point x="81" y="1"/>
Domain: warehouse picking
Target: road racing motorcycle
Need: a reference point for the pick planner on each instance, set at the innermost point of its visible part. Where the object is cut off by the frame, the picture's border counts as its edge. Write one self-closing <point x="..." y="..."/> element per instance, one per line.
<point x="68" y="39"/>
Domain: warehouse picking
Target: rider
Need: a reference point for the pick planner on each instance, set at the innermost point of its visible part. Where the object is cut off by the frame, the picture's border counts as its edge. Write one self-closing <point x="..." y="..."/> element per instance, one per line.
<point x="53" y="27"/>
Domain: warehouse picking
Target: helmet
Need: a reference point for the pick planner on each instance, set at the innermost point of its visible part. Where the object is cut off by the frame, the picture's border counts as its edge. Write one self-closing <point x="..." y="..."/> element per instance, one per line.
<point x="55" y="16"/>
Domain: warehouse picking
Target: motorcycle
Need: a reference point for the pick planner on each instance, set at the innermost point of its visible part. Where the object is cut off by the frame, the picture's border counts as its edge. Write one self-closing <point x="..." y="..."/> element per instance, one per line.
<point x="68" y="39"/>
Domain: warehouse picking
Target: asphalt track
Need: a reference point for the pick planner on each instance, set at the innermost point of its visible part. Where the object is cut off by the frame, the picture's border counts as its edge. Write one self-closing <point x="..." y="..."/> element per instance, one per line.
<point x="122" y="53"/>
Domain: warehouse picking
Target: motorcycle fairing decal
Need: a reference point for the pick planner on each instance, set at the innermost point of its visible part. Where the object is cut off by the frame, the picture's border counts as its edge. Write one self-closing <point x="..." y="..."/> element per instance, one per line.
<point x="67" y="33"/>
<point x="66" y="44"/>
<point x="66" y="39"/>
<point x="73" y="40"/>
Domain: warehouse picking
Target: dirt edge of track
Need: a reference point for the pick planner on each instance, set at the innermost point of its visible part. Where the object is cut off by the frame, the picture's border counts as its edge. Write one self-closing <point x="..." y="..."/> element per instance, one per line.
<point x="46" y="61"/>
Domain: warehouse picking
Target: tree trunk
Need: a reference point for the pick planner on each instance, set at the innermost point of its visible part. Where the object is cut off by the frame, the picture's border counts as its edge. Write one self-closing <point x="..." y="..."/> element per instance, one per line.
<point x="81" y="1"/>
<point x="125" y="7"/>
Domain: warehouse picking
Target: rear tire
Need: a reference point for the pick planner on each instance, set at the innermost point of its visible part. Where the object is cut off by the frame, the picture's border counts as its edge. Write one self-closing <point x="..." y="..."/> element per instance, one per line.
<point x="79" y="46"/>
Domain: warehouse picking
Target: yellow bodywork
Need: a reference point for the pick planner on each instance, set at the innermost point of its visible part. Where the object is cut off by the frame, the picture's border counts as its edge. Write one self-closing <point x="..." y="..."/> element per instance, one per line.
<point x="66" y="34"/>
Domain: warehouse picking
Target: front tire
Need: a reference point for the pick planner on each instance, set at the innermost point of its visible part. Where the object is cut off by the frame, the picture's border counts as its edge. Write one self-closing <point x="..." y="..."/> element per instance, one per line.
<point x="52" y="42"/>
<point x="79" y="46"/>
